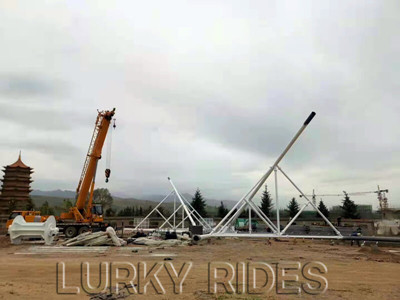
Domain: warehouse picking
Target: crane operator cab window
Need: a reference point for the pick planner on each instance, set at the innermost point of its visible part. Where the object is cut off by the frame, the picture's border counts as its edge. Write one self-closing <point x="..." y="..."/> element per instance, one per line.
<point x="97" y="209"/>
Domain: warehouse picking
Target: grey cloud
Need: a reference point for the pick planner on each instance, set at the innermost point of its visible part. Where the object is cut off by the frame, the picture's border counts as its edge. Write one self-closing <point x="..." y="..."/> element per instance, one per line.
<point x="52" y="147"/>
<point x="29" y="86"/>
<point x="43" y="117"/>
<point x="256" y="131"/>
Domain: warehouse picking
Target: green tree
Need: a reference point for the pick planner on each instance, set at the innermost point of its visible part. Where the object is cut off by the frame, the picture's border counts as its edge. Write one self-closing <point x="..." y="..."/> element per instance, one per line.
<point x="349" y="208"/>
<point x="140" y="212"/>
<point x="245" y="213"/>
<point x="266" y="202"/>
<point x="30" y="205"/>
<point x="149" y="209"/>
<point x="199" y="204"/>
<point x="46" y="209"/>
<point x="323" y="209"/>
<point x="136" y="213"/>
<point x="222" y="210"/>
<point x="121" y="213"/>
<point x="67" y="204"/>
<point x="103" y="197"/>
<point x="110" y="212"/>
<point x="293" y="207"/>
<point x="127" y="212"/>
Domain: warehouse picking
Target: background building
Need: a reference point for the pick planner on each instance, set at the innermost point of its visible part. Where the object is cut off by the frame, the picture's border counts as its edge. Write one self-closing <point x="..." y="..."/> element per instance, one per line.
<point x="15" y="189"/>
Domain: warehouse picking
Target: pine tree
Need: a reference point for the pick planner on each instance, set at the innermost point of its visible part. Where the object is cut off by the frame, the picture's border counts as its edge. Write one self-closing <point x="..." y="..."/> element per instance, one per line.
<point x="30" y="205"/>
<point x="67" y="204"/>
<point x="46" y="209"/>
<point x="244" y="213"/>
<point x="293" y="207"/>
<point x="127" y="211"/>
<point x="148" y="210"/>
<point x="323" y="209"/>
<point x="349" y="208"/>
<point x="266" y="202"/>
<point x="138" y="212"/>
<point x="199" y="204"/>
<point x="110" y="212"/>
<point x="222" y="210"/>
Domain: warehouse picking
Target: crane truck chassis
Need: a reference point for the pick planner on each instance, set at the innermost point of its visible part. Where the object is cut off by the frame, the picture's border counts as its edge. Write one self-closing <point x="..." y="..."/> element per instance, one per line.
<point x="71" y="230"/>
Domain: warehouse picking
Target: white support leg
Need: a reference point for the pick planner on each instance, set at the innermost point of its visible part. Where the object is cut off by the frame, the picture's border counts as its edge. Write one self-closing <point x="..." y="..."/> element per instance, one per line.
<point x="278" y="221"/>
<point x="250" y="229"/>
<point x="181" y="200"/>
<point x="174" y="212"/>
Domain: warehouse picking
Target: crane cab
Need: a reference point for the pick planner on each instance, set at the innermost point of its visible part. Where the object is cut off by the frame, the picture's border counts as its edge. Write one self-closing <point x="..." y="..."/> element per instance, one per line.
<point x="97" y="210"/>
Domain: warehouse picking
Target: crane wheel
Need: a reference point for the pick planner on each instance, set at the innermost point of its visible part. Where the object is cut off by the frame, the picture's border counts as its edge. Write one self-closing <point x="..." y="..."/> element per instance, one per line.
<point x="83" y="229"/>
<point x="70" y="232"/>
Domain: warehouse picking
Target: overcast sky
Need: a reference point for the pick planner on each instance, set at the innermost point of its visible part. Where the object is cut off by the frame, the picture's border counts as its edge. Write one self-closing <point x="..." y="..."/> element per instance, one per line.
<point x="207" y="92"/>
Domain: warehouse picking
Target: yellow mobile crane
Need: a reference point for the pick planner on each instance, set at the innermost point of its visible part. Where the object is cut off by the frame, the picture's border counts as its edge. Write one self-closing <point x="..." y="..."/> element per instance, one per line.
<point x="85" y="214"/>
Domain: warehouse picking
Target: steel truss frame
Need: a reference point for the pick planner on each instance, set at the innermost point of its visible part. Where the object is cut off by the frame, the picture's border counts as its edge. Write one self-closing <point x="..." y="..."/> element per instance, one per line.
<point x="171" y="222"/>
<point x="222" y="229"/>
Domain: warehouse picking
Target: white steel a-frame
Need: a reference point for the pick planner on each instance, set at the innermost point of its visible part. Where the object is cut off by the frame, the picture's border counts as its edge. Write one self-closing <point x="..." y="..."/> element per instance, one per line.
<point x="172" y="222"/>
<point x="224" y="226"/>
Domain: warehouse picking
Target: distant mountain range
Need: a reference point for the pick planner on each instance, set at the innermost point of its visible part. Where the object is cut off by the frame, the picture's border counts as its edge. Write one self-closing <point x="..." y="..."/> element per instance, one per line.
<point x="210" y="202"/>
<point x="56" y="197"/>
<point x="56" y="193"/>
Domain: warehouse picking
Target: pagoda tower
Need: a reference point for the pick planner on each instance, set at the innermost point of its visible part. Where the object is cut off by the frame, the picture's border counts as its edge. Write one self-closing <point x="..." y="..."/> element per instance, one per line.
<point x="16" y="188"/>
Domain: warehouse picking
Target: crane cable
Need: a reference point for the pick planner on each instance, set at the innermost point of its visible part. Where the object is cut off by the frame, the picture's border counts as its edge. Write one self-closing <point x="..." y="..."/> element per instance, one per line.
<point x="108" y="155"/>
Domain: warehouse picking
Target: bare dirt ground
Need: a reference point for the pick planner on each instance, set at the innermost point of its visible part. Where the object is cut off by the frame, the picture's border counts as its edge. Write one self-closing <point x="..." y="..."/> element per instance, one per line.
<point x="353" y="272"/>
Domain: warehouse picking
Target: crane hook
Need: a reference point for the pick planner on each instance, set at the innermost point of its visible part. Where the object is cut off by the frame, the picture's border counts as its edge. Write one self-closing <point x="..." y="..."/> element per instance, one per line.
<point x="108" y="173"/>
<point x="108" y="159"/>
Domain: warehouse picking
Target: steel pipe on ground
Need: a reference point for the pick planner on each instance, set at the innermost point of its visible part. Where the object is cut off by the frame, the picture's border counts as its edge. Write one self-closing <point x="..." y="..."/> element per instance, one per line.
<point x="198" y="238"/>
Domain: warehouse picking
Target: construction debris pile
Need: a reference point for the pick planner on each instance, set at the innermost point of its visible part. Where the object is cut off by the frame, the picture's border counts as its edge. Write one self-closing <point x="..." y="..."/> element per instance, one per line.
<point x="101" y="238"/>
<point x="160" y="239"/>
<point x="108" y="296"/>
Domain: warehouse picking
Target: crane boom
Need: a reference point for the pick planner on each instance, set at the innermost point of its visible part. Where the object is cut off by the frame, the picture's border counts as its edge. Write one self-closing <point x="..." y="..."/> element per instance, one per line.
<point x="94" y="154"/>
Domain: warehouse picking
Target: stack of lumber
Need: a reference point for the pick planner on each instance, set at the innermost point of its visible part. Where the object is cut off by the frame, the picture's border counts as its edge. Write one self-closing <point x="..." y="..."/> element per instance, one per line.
<point x="101" y="238"/>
